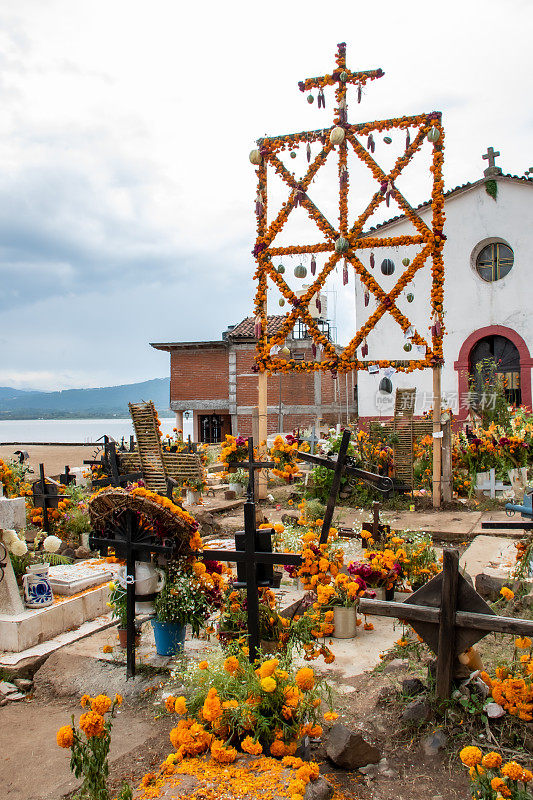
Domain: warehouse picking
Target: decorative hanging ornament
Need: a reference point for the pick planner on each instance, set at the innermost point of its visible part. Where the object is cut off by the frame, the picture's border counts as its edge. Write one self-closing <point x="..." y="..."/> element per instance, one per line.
<point x="300" y="271"/>
<point x="321" y="100"/>
<point x="406" y="262"/>
<point x="407" y="138"/>
<point x="387" y="140"/>
<point x="258" y="328"/>
<point x="293" y="154"/>
<point x="359" y="92"/>
<point x="385" y="386"/>
<point x="436" y="328"/>
<point x="410" y="297"/>
<point x="281" y="301"/>
<point x="281" y="269"/>
<point x="433" y="135"/>
<point x="408" y="347"/>
<point x="388" y="193"/>
<point x="345" y="273"/>
<point x="367" y="297"/>
<point x="259" y="207"/>
<point x="308" y="149"/>
<point x="285" y="351"/>
<point x="319" y="304"/>
<point x="387" y="266"/>
<point x="255" y="157"/>
<point x="313" y="350"/>
<point x="341" y="245"/>
<point x="372" y="260"/>
<point x="310" y="99"/>
<point x="343" y="110"/>
<point x="370" y="144"/>
<point x="343" y="77"/>
<point x="313" y="264"/>
<point x="337" y="135"/>
<point x="364" y="349"/>
<point x="343" y="179"/>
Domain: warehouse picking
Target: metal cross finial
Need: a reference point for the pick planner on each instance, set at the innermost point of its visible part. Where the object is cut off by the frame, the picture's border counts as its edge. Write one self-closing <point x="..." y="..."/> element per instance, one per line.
<point x="340" y="77"/>
<point x="490" y="156"/>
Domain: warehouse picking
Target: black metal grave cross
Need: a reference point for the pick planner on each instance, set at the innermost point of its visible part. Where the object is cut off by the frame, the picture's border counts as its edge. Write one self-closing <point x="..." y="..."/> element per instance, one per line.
<point x="130" y="540"/>
<point x="252" y="466"/>
<point x="46" y="495"/>
<point x="250" y="557"/>
<point x="343" y="464"/>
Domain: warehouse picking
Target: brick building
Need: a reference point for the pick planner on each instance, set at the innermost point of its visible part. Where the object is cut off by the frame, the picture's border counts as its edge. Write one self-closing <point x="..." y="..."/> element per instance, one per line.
<point x="215" y="381"/>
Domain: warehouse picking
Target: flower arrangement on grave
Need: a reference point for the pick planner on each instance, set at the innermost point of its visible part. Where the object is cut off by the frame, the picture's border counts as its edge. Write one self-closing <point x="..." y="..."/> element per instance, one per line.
<point x="194" y="484"/>
<point x="13" y="479"/>
<point x="512" y="685"/>
<point x="234" y="449"/>
<point x="379" y="568"/>
<point x="265" y="707"/>
<point x="345" y="591"/>
<point x="300" y="633"/>
<point x="320" y="562"/>
<point x="117" y="603"/>
<point x="89" y="744"/>
<point x="192" y="591"/>
<point x="284" y="453"/>
<point x="492" y="779"/>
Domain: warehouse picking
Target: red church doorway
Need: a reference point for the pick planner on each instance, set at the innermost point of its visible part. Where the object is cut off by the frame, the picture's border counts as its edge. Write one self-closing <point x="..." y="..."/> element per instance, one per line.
<point x="506" y="358"/>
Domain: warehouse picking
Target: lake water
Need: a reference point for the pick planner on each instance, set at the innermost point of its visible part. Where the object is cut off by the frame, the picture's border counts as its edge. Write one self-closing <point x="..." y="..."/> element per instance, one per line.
<point x="75" y="430"/>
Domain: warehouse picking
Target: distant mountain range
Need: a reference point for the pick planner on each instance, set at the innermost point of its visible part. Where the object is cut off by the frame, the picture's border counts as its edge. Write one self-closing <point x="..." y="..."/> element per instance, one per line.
<point x="109" y="401"/>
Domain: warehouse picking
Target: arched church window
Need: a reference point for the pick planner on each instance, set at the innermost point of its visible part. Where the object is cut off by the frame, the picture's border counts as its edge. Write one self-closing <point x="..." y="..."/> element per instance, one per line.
<point x="494" y="261"/>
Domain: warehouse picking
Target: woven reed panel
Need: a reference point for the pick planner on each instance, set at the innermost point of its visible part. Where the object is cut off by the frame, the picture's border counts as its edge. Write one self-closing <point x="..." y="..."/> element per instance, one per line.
<point x="144" y="418"/>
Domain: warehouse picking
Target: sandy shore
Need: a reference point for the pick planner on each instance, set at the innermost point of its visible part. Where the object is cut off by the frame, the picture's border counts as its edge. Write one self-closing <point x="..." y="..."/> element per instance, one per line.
<point x="54" y="457"/>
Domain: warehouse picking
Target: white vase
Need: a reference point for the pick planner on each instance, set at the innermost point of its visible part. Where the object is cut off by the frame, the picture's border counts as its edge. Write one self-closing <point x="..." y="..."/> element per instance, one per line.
<point x="345" y="622"/>
<point x="192" y="497"/>
<point x="148" y="581"/>
<point x="237" y="488"/>
<point x="37" y="590"/>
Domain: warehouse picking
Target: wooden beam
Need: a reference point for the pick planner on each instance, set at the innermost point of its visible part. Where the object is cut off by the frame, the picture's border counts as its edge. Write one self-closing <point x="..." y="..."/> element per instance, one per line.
<point x="448" y="608"/>
<point x="437" y="441"/>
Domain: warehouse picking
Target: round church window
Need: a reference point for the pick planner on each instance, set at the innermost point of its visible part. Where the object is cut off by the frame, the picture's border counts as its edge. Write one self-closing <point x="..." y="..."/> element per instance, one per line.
<point x="494" y="261"/>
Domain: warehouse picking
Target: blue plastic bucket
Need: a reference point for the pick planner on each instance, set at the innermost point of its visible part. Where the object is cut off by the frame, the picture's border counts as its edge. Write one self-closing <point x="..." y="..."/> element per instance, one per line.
<point x="169" y="637"/>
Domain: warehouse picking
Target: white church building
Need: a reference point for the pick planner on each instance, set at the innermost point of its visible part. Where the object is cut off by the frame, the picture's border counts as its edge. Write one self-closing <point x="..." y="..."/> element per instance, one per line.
<point x="488" y="296"/>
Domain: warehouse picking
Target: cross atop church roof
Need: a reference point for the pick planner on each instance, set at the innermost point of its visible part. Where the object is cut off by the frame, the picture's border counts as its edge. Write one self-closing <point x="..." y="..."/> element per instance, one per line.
<point x="492" y="169"/>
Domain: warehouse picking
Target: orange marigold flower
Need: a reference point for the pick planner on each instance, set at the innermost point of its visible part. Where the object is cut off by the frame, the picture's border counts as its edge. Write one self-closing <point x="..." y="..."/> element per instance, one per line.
<point x="512" y="770"/>
<point x="180" y="706"/>
<point x="92" y="724"/>
<point x="526" y="776"/>
<point x="170" y="703"/>
<point x="492" y="760"/>
<point x="522" y="643"/>
<point x="118" y="699"/>
<point x="224" y="755"/>
<point x="202" y="665"/>
<point x="65" y="736"/>
<point x="506" y="593"/>
<point x="212" y="707"/>
<point x="107" y="648"/>
<point x="267" y="668"/>
<point x="85" y="698"/>
<point x="251" y="746"/>
<point x="331" y="716"/>
<point x="268" y="685"/>
<point x="316" y="731"/>
<point x="470" y="756"/>
<point x="231" y="665"/>
<point x="305" y="678"/>
<point x="101" y="704"/>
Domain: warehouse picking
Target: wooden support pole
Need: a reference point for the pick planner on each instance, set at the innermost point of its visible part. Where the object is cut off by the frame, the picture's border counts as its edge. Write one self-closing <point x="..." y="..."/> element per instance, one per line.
<point x="447" y="477"/>
<point x="437" y="436"/>
<point x="131" y="520"/>
<point x="262" y="431"/>
<point x="448" y="607"/>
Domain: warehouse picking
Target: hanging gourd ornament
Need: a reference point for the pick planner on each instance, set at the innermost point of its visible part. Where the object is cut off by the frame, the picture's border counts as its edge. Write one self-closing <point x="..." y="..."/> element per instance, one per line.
<point x="281" y="269"/>
<point x="255" y="157"/>
<point x="408" y="347"/>
<point x="385" y="385"/>
<point x="387" y="266"/>
<point x="336" y="136"/>
<point x="406" y="262"/>
<point x="300" y="271"/>
<point x="281" y="301"/>
<point x="410" y="297"/>
<point x="285" y="351"/>
<point x="433" y="135"/>
<point x="372" y="260"/>
<point x="313" y="265"/>
<point x="387" y="140"/>
<point x="293" y="154"/>
<point x="343" y="77"/>
<point x="341" y="245"/>
<point x="310" y="99"/>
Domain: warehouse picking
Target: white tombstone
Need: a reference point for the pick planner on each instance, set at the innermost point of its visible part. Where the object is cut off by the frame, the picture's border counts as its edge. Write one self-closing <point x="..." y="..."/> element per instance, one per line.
<point x="13" y="513"/>
<point x="10" y="600"/>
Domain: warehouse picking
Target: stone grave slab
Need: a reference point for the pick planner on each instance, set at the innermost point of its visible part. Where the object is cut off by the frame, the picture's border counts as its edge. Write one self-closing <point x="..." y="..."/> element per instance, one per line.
<point x="12" y="513"/>
<point x="69" y="579"/>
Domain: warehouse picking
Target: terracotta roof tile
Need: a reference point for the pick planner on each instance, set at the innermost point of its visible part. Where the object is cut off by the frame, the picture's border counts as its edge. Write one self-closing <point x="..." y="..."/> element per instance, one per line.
<point x="245" y="329"/>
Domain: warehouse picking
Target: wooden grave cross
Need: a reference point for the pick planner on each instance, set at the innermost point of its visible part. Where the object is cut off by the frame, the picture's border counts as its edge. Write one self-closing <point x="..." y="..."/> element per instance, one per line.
<point x="343" y="464"/>
<point x="46" y="495"/>
<point x="450" y="616"/>
<point x="251" y="557"/>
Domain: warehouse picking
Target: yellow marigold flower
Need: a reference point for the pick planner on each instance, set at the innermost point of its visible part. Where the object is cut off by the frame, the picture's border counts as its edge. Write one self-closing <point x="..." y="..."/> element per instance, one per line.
<point x="492" y="760"/>
<point x="268" y="668"/>
<point x="331" y="716"/>
<point x="202" y="665"/>
<point x="101" y="704"/>
<point x="169" y="703"/>
<point x="92" y="724"/>
<point x="198" y="568"/>
<point x="65" y="736"/>
<point x="250" y="746"/>
<point x="281" y="675"/>
<point x="85" y="698"/>
<point x="512" y="770"/>
<point x="231" y="665"/>
<point x="292" y="696"/>
<point x="470" y="756"/>
<point x="268" y="684"/>
<point x="107" y="648"/>
<point x="305" y="678"/>
<point x="522" y="643"/>
<point x="506" y="593"/>
<point x="180" y="706"/>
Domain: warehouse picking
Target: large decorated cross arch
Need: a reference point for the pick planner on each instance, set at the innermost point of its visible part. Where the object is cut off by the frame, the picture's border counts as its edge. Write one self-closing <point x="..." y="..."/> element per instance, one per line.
<point x="344" y="240"/>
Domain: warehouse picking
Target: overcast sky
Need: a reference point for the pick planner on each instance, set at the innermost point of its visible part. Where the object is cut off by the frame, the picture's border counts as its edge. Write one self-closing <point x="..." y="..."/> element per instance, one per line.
<point x="126" y="194"/>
